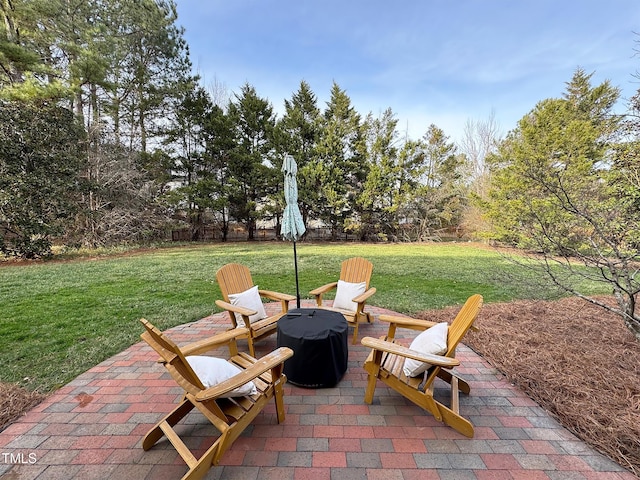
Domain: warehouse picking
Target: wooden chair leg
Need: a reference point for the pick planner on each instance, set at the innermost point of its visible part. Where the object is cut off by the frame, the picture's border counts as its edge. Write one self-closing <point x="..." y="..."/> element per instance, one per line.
<point x="200" y="469"/>
<point x="156" y="433"/>
<point x="279" y="399"/>
<point x="371" y="389"/>
<point x="448" y="377"/>
<point x="455" y="421"/>
<point x="455" y="395"/>
<point x="372" y="366"/>
<point x="252" y="350"/>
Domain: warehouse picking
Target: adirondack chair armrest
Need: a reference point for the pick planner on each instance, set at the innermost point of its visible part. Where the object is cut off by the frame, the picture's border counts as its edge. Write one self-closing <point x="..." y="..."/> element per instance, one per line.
<point x="323" y="289"/>
<point x="217" y="340"/>
<point x="407" y="322"/>
<point x="364" y="296"/>
<point x="394" y="348"/>
<point x="261" y="366"/>
<point x="146" y="336"/>
<point x="245" y="312"/>
<point x="235" y="308"/>
<point x="276" y="295"/>
<point x="283" y="298"/>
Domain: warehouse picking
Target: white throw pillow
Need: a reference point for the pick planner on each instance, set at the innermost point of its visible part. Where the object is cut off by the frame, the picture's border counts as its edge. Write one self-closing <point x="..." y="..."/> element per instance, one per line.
<point x="249" y="299"/>
<point x="346" y="292"/>
<point x="211" y="371"/>
<point x="432" y="341"/>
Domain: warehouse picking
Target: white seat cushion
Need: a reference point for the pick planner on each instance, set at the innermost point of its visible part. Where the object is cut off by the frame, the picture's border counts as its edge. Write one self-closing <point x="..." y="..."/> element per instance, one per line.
<point x="211" y="371"/>
<point x="249" y="299"/>
<point x="346" y="292"/>
<point x="432" y="341"/>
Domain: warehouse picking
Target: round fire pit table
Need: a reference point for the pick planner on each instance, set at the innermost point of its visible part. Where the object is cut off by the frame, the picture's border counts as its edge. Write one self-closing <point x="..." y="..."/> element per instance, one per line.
<point x="318" y="339"/>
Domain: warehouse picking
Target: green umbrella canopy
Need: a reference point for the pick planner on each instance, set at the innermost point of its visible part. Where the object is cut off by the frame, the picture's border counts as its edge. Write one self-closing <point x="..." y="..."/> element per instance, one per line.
<point x="292" y="225"/>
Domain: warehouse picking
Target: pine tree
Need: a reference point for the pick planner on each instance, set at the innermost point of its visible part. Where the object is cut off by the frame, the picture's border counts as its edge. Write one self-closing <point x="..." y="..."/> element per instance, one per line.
<point x="251" y="160"/>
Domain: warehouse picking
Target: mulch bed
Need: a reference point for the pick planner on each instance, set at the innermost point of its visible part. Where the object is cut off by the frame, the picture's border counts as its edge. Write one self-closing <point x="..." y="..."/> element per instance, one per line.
<point x="576" y="360"/>
<point x="14" y="401"/>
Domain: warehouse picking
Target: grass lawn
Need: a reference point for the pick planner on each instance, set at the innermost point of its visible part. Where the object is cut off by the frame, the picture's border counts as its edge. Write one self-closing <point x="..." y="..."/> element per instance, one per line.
<point x="61" y="318"/>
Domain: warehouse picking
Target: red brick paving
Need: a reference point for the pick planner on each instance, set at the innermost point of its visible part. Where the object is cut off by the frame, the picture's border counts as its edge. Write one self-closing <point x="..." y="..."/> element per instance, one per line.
<point x="92" y="428"/>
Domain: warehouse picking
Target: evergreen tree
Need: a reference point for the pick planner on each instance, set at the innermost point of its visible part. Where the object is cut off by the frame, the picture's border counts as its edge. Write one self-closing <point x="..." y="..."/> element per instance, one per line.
<point x="377" y="202"/>
<point x="216" y="184"/>
<point x="252" y="163"/>
<point x="340" y="167"/>
<point x="559" y="190"/>
<point x="42" y="149"/>
<point x="438" y="203"/>
<point x="25" y="53"/>
<point x="299" y="131"/>
<point x="186" y="141"/>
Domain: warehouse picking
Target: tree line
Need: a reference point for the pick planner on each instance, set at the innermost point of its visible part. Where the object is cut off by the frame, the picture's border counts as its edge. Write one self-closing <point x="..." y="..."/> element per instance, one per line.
<point x="155" y="149"/>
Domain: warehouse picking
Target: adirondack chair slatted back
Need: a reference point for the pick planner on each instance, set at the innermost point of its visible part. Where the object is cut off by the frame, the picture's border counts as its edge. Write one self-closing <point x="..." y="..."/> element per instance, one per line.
<point x="462" y="323"/>
<point x="356" y="270"/>
<point x="233" y="278"/>
<point x="457" y="330"/>
<point x="352" y="270"/>
<point x="172" y="357"/>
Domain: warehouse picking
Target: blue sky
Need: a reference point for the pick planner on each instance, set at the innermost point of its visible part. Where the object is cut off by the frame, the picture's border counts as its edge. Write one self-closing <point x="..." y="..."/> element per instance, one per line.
<point x="431" y="61"/>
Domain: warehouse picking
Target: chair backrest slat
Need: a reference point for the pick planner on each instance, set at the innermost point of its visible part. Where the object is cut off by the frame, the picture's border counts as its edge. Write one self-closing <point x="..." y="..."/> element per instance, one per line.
<point x="457" y="330"/>
<point x="173" y="357"/>
<point x="356" y="270"/>
<point x="233" y="278"/>
<point x="463" y="322"/>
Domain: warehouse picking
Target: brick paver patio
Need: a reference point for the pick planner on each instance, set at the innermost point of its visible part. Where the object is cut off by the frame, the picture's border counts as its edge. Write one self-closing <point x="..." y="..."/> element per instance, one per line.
<point x="92" y="428"/>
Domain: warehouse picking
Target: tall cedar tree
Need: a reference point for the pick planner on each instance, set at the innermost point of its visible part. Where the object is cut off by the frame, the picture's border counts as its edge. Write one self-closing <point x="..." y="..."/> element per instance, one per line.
<point x="376" y="201"/>
<point x="186" y="140"/>
<point x="215" y="185"/>
<point x="298" y="135"/>
<point x="340" y="166"/>
<point x="251" y="160"/>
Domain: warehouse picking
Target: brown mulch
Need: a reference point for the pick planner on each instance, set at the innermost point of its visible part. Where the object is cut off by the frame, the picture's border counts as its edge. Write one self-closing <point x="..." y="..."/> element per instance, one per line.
<point x="574" y="359"/>
<point x="14" y="401"/>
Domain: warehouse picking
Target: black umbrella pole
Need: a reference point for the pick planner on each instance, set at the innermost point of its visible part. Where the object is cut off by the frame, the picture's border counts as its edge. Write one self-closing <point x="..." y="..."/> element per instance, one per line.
<point x="295" y="266"/>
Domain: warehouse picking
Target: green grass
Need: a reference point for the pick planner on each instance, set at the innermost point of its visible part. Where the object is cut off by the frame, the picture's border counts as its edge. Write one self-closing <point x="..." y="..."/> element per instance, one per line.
<point x="61" y="318"/>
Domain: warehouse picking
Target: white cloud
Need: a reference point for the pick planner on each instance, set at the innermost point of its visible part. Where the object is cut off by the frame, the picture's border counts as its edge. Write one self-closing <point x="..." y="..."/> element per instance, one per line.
<point x="431" y="62"/>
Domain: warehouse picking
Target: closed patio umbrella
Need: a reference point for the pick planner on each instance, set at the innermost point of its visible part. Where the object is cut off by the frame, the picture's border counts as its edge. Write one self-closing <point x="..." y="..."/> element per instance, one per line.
<point x="292" y="225"/>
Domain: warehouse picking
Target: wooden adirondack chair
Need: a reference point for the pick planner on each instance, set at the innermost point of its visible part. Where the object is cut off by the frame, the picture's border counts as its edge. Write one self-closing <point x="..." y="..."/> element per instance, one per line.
<point x="229" y="415"/>
<point x="354" y="270"/>
<point x="235" y="279"/>
<point x="386" y="362"/>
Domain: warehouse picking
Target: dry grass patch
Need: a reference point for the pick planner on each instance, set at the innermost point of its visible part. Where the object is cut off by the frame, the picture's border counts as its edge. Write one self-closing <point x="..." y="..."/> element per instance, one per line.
<point x="575" y="360"/>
